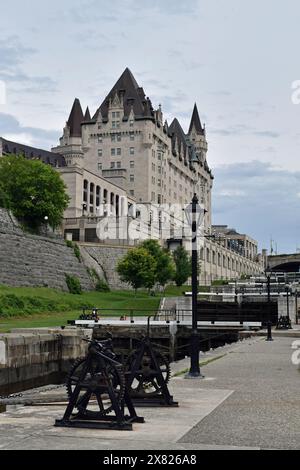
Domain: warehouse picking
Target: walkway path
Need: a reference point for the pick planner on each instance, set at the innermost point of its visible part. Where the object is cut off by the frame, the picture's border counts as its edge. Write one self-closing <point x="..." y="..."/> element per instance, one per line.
<point x="249" y="399"/>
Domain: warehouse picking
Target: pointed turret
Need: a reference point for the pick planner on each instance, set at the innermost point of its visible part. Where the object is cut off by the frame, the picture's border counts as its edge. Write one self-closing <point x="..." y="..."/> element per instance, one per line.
<point x="131" y="96"/>
<point x="75" y="119"/>
<point x="87" y="116"/>
<point x="196" y="123"/>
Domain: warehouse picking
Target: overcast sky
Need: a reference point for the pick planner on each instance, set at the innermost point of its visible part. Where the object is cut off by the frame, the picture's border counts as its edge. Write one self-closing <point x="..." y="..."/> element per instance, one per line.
<point x="236" y="59"/>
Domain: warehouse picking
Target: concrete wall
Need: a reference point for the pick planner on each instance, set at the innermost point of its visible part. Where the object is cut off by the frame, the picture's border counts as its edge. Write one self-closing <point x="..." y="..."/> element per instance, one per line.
<point x="28" y="260"/>
<point x="32" y="357"/>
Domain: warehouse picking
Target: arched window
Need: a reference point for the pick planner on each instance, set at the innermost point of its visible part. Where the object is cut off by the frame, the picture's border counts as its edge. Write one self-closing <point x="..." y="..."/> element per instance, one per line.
<point x="105" y="196"/>
<point x="98" y="192"/>
<point x="92" y="189"/>
<point x="85" y="191"/>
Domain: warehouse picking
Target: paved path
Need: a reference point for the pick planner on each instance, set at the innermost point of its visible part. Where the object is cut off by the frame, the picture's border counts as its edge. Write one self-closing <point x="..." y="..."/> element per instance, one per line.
<point x="264" y="410"/>
<point x="249" y="399"/>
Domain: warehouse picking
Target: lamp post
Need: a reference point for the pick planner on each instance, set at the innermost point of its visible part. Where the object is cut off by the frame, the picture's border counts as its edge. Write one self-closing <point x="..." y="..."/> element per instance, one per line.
<point x="195" y="215"/>
<point x="84" y="208"/>
<point x="288" y="304"/>
<point x="46" y="219"/>
<point x="269" y="323"/>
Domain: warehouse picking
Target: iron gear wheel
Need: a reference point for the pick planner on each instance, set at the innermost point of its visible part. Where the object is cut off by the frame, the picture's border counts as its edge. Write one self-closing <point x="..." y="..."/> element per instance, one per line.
<point x="95" y="386"/>
<point x="145" y="382"/>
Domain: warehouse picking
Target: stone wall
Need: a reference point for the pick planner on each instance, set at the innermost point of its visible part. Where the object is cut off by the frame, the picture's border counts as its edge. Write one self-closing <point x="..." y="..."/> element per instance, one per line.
<point x="105" y="259"/>
<point x="29" y="358"/>
<point x="28" y="260"/>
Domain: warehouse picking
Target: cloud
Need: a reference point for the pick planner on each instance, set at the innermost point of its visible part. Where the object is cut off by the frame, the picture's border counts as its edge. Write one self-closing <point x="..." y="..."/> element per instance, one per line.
<point x="12" y="52"/>
<point x="171" y="7"/>
<point x="11" y="129"/>
<point x="240" y="129"/>
<point x="221" y="93"/>
<point x="12" y="55"/>
<point x="91" y="11"/>
<point x="271" y="134"/>
<point x="260" y="200"/>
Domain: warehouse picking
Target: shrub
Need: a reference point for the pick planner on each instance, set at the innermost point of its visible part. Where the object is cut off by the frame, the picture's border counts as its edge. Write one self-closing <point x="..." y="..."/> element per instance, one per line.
<point x="75" y="248"/>
<point x="73" y="284"/>
<point x="77" y="252"/>
<point x="11" y="301"/>
<point x="102" y="286"/>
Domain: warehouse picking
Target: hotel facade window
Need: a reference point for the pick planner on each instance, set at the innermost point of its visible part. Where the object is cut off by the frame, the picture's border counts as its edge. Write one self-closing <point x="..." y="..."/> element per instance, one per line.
<point x="92" y="188"/>
<point x="131" y="150"/>
<point x="98" y="190"/>
<point x="85" y="191"/>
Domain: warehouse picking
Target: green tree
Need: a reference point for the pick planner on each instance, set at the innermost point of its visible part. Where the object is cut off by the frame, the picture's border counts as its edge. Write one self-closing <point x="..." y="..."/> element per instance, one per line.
<point x="33" y="191"/>
<point x="183" y="266"/>
<point x="165" y="269"/>
<point x="138" y="268"/>
<point x="4" y="202"/>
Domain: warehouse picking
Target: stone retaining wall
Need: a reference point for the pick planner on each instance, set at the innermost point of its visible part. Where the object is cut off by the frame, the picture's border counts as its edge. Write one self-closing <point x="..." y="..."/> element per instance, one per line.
<point x="29" y="261"/>
<point x="36" y="357"/>
<point x="105" y="259"/>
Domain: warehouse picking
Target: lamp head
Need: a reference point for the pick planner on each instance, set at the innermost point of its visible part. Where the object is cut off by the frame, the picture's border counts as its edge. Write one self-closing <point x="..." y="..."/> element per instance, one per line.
<point x="194" y="209"/>
<point x="268" y="271"/>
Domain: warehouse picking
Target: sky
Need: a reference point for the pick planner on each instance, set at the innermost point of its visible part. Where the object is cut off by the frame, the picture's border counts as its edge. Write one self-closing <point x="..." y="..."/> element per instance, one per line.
<point x="238" y="60"/>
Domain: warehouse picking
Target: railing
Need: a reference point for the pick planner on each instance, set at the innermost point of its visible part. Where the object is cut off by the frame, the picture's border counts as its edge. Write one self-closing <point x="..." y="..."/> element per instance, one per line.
<point x="129" y="314"/>
<point x="211" y="315"/>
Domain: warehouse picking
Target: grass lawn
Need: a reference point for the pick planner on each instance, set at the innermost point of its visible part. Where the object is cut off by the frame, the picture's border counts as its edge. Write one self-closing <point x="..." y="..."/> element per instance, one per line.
<point x="37" y="307"/>
<point x="28" y="307"/>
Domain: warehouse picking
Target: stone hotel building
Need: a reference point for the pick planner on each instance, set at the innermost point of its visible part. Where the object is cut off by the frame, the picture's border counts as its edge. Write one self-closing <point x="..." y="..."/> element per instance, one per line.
<point x="125" y="154"/>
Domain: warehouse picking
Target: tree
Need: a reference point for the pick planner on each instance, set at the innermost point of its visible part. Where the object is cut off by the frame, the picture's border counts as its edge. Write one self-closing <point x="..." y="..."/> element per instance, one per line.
<point x="183" y="265"/>
<point x="32" y="190"/>
<point x="3" y="198"/>
<point x="165" y="269"/>
<point x="138" y="269"/>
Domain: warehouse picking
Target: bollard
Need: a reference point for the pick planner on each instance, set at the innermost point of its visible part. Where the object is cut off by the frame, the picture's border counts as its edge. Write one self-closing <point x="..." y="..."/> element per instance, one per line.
<point x="269" y="326"/>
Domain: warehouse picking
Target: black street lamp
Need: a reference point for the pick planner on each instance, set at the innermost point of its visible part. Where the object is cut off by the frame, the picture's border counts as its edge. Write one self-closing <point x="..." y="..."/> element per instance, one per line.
<point x="288" y="292"/>
<point x="268" y="273"/>
<point x="194" y="215"/>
